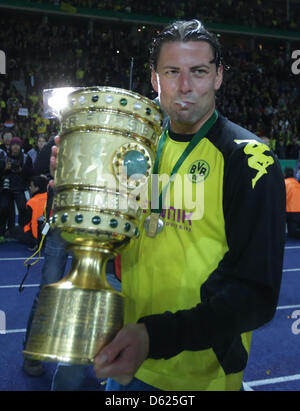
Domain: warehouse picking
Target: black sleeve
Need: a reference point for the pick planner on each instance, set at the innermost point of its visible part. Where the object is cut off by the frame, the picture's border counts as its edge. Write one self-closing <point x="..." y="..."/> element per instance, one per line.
<point x="28" y="168"/>
<point x="242" y="293"/>
<point x="2" y="161"/>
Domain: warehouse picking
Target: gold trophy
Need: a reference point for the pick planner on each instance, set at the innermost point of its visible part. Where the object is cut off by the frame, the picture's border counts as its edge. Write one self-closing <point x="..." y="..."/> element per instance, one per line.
<point x="108" y="141"/>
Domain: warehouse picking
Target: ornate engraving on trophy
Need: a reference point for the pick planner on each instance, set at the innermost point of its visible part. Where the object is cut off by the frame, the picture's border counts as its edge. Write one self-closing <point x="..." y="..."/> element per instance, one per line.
<point x="77" y="197"/>
<point x="94" y="153"/>
<point x="107" y="118"/>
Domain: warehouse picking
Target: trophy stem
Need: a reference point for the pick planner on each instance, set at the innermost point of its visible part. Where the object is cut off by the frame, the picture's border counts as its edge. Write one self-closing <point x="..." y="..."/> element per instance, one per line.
<point x="78" y="315"/>
<point x="88" y="270"/>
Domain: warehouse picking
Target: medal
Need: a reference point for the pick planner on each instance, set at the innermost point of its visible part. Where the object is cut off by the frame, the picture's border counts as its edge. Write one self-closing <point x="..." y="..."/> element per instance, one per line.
<point x="153" y="224"/>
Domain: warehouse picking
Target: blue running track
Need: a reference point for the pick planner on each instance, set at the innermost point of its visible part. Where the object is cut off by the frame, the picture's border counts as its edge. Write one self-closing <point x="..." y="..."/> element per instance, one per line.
<point x="273" y="365"/>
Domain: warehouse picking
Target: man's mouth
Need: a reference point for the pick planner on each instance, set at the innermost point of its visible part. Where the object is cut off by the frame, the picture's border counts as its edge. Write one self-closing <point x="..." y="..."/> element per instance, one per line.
<point x="184" y="104"/>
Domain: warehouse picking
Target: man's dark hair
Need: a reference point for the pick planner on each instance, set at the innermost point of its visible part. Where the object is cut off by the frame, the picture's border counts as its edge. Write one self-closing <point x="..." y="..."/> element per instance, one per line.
<point x="182" y="30"/>
<point x="40" y="182"/>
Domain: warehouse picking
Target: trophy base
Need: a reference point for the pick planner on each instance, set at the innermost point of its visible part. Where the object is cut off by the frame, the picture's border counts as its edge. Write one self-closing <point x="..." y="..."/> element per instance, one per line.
<point x="71" y="326"/>
<point x="76" y="316"/>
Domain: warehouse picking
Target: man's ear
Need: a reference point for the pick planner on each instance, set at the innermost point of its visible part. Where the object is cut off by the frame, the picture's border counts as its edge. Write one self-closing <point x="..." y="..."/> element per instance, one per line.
<point x="219" y="78"/>
<point x="154" y="80"/>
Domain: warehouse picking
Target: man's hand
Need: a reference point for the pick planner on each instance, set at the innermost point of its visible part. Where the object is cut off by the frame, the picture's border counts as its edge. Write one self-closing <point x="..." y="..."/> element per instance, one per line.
<point x="53" y="158"/>
<point x="122" y="357"/>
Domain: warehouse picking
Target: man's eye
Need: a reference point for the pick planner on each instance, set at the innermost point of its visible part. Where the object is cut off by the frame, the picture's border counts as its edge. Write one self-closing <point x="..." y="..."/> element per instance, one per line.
<point x="200" y="72"/>
<point x="171" y="73"/>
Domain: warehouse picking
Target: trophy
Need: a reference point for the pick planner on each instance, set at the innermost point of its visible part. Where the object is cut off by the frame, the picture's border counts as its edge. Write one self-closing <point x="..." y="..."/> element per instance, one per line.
<point x="108" y="141"/>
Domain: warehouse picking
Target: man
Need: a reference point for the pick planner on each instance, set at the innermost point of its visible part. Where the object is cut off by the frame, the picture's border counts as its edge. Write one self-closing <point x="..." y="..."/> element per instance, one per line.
<point x="7" y="136"/>
<point x="292" y="203"/>
<point x="35" y="209"/>
<point x="196" y="290"/>
<point x="13" y="185"/>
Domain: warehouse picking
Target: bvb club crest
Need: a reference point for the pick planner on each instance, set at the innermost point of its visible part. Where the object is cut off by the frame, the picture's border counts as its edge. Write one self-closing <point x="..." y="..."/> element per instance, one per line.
<point x="198" y="171"/>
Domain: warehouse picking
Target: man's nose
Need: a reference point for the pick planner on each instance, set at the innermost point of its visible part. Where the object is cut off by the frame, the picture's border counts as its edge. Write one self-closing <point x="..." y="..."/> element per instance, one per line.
<point x="185" y="82"/>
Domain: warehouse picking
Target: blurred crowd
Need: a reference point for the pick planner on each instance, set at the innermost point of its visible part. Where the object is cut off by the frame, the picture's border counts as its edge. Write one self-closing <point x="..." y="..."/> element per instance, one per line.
<point x="259" y="91"/>
<point x="253" y="13"/>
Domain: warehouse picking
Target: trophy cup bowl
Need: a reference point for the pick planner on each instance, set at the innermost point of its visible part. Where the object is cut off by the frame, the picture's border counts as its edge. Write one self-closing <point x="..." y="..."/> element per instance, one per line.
<point x="108" y="141"/>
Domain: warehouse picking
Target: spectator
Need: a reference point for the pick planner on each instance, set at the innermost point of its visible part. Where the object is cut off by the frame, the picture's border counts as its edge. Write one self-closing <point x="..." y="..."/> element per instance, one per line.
<point x="7" y="136"/>
<point x="13" y="186"/>
<point x="292" y="203"/>
<point x="30" y="234"/>
<point x="32" y="154"/>
<point x="260" y="91"/>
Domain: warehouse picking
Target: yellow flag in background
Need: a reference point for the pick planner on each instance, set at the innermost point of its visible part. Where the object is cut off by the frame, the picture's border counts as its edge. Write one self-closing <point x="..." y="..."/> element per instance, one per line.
<point x="68" y="8"/>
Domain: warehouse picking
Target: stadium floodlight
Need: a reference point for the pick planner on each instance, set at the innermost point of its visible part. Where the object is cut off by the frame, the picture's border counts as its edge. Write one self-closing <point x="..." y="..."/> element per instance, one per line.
<point x="55" y="99"/>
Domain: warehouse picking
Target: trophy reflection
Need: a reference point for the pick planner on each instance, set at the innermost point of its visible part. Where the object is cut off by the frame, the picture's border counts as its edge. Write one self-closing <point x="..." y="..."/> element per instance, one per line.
<point x="104" y="132"/>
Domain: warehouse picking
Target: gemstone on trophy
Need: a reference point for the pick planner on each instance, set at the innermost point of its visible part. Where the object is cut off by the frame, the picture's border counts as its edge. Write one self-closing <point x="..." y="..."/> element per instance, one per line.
<point x="108" y="99"/>
<point x="96" y="220"/>
<point x="64" y="218"/>
<point x="127" y="227"/>
<point x="123" y="102"/>
<point x="136" y="163"/>
<point x="78" y="218"/>
<point x="113" y="223"/>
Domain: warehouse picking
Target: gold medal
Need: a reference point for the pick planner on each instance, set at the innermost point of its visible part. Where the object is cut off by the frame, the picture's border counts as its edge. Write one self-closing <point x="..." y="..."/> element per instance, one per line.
<point x="153" y="224"/>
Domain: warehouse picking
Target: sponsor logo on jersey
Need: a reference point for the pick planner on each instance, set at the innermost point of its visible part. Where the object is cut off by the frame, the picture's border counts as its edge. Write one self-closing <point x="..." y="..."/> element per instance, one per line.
<point x="257" y="160"/>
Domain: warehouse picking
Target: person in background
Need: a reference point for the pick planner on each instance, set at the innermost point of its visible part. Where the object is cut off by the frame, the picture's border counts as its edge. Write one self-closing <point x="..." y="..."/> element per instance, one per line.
<point x="40" y="141"/>
<point x="30" y="234"/>
<point x="292" y="187"/>
<point x="13" y="185"/>
<point x="32" y="154"/>
<point x="6" y="137"/>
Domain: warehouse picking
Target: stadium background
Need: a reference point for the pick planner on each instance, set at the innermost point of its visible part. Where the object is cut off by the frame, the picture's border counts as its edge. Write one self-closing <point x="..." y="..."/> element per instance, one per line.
<point x="85" y="43"/>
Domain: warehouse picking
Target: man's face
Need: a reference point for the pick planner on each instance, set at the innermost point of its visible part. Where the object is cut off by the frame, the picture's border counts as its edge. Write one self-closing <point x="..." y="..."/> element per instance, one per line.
<point x="7" y="138"/>
<point x="15" y="149"/>
<point x="33" y="189"/>
<point x="186" y="82"/>
<point x="41" y="142"/>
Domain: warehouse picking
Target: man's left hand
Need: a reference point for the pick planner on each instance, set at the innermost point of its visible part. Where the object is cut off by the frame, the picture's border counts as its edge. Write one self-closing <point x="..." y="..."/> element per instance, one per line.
<point x="123" y="356"/>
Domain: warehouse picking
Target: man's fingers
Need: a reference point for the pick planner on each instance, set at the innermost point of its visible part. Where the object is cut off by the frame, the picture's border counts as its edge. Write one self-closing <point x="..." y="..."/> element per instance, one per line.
<point x="122" y="357"/>
<point x="54" y="151"/>
<point x="123" y="379"/>
<point x="57" y="140"/>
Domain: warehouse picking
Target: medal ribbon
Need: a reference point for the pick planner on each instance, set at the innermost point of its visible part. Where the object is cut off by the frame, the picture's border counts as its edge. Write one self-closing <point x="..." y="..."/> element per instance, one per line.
<point x="189" y="148"/>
